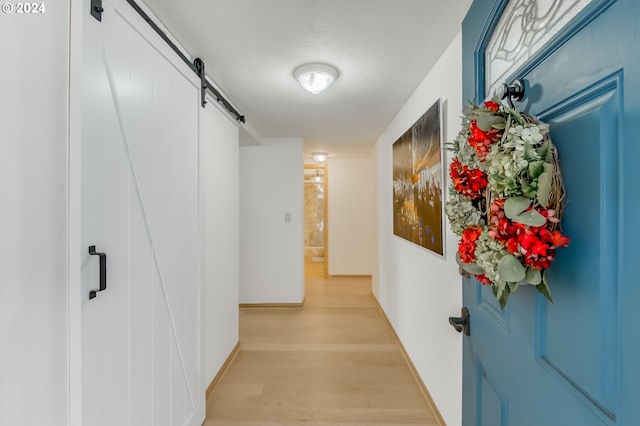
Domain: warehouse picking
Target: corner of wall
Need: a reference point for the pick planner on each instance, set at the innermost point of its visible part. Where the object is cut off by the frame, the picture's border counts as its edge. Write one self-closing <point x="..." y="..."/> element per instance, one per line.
<point x="220" y="234"/>
<point x="271" y="222"/>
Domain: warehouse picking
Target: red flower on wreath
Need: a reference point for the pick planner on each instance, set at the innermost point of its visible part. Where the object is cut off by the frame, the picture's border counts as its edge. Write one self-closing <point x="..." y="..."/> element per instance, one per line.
<point x="481" y="141"/>
<point x="468" y="182"/>
<point x="536" y="244"/>
<point x="483" y="279"/>
<point x="556" y="239"/>
<point x="502" y="229"/>
<point x="492" y="105"/>
<point x="467" y="245"/>
<point x="467" y="250"/>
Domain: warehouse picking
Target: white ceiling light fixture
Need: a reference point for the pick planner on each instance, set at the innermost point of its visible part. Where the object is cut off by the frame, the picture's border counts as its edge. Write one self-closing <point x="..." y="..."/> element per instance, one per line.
<point x="315" y="77"/>
<point x="320" y="157"/>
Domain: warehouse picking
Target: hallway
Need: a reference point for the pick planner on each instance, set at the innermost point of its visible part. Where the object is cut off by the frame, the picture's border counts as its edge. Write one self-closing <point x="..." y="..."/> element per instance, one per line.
<point x="333" y="362"/>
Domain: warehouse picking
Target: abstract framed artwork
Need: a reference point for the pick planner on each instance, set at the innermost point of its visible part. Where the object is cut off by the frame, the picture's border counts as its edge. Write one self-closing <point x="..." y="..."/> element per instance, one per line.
<point x="418" y="182"/>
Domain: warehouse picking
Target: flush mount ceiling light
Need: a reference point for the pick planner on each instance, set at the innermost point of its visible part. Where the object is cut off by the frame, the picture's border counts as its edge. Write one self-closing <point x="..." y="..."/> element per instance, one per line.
<point x="320" y="157"/>
<point x="315" y="77"/>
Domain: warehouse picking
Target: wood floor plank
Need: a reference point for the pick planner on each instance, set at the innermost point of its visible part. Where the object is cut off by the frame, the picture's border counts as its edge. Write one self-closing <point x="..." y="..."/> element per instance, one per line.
<point x="332" y="362"/>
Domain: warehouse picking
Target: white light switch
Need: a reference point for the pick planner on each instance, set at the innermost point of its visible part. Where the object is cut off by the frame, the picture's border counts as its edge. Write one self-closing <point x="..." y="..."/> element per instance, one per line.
<point x="287" y="217"/>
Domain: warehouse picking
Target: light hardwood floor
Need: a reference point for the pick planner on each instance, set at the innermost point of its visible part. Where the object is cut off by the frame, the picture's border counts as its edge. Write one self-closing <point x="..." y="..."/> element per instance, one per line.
<point x="314" y="269"/>
<point x="333" y="362"/>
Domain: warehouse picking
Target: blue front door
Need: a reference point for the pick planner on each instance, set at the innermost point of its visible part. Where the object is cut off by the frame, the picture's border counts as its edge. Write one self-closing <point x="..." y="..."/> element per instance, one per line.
<point x="576" y="361"/>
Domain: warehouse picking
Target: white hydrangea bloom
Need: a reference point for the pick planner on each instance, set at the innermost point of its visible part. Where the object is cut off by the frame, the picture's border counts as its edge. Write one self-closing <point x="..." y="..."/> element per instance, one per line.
<point x="461" y="212"/>
<point x="466" y="154"/>
<point x="488" y="254"/>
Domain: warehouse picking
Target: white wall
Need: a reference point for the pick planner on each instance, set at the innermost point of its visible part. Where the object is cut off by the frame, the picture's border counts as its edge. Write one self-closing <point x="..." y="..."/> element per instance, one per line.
<point x="33" y="217"/>
<point x="271" y="249"/>
<point x="417" y="289"/>
<point x="351" y="220"/>
<point x="220" y="208"/>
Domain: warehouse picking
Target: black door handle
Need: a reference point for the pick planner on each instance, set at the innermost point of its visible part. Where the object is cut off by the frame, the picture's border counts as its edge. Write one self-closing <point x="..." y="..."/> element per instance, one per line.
<point x="103" y="271"/>
<point x="462" y="324"/>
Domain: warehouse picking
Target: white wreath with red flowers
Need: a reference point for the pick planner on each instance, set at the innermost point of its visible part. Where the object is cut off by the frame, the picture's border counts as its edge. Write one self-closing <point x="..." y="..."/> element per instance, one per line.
<point x="505" y="198"/>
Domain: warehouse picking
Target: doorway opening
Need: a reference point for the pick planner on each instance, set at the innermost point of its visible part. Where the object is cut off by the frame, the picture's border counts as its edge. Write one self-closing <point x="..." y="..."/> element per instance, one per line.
<point x="316" y="264"/>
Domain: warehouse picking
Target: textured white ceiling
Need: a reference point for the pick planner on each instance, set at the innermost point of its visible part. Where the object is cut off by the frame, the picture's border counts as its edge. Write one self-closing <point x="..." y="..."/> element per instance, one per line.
<point x="382" y="49"/>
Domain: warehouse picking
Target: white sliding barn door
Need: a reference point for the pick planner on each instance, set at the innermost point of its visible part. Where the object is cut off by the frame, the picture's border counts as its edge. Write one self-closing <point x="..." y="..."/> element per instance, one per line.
<point x="140" y="336"/>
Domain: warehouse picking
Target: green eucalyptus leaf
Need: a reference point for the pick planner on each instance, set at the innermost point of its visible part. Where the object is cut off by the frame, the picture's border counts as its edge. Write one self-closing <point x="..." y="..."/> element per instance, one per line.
<point x="473" y="268"/>
<point x="530" y="154"/>
<point x="544" y="189"/>
<point x="485" y="122"/>
<point x="510" y="269"/>
<point x="467" y="110"/>
<point x="500" y="125"/>
<point x="536" y="168"/>
<point x="503" y="296"/>
<point x="499" y="122"/>
<point x="503" y="302"/>
<point x="533" y="276"/>
<point x="544" y="288"/>
<point x="513" y="286"/>
<point x="515" y="205"/>
<point x="499" y="290"/>
<point x="545" y="150"/>
<point x="529" y="190"/>
<point x="531" y="218"/>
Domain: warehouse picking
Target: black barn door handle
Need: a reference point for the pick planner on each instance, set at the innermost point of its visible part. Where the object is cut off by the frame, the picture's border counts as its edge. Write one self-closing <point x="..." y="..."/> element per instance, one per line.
<point x="103" y="271"/>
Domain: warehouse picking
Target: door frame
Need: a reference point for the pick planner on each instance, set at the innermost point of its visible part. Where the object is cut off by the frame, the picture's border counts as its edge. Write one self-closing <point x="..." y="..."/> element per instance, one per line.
<point x="325" y="171"/>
